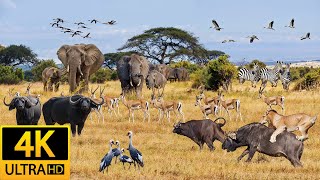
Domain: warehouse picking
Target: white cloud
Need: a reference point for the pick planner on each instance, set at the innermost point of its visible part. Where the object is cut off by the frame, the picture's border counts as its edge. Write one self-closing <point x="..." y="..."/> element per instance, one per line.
<point x="9" y="4"/>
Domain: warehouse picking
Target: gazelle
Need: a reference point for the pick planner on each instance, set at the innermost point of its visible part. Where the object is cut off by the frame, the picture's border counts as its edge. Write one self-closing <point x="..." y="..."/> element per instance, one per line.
<point x="207" y="100"/>
<point x="167" y="106"/>
<point x="28" y="93"/>
<point x="99" y="109"/>
<point x="133" y="105"/>
<point x="273" y="100"/>
<point x="111" y="103"/>
<point x="231" y="104"/>
<point x="206" y="109"/>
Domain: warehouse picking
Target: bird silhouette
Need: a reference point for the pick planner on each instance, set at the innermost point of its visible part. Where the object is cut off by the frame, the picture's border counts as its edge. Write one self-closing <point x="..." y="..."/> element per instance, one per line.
<point x="215" y="25"/>
<point x="229" y="40"/>
<point x="58" y="20"/>
<point x="106" y="160"/>
<point x="86" y="36"/>
<point x="83" y="27"/>
<point x="135" y="153"/>
<point x="93" y="21"/>
<point x="54" y="24"/>
<point x="76" y="33"/>
<point x="305" y="37"/>
<point x="68" y="31"/>
<point x="252" y="38"/>
<point x="112" y="22"/>
<point x="270" y="26"/>
<point x="291" y="25"/>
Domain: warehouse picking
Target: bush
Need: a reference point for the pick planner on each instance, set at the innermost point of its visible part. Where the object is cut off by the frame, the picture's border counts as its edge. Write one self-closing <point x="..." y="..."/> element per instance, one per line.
<point x="37" y="69"/>
<point x="102" y="75"/>
<point x="186" y="64"/>
<point x="200" y="78"/>
<point x="310" y="81"/>
<point x="28" y="76"/>
<point x="260" y="63"/>
<point x="10" y="75"/>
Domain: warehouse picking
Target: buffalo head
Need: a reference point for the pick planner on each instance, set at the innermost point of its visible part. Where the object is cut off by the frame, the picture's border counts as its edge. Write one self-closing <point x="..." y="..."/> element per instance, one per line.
<point x="85" y="103"/>
<point x="20" y="103"/>
<point x="179" y="128"/>
<point x="230" y="143"/>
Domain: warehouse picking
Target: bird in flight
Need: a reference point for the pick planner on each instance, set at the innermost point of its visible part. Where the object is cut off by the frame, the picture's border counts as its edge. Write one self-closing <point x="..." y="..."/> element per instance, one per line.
<point x="68" y="31"/>
<point x="79" y="23"/>
<point x="86" y="36"/>
<point x="291" y="25"/>
<point x="112" y="22"/>
<point x="253" y="37"/>
<point x="305" y="37"/>
<point x="54" y="24"/>
<point x="270" y="26"/>
<point x="75" y="33"/>
<point x="215" y="25"/>
<point x="58" y="20"/>
<point x="83" y="27"/>
<point x="229" y="40"/>
<point x="93" y="21"/>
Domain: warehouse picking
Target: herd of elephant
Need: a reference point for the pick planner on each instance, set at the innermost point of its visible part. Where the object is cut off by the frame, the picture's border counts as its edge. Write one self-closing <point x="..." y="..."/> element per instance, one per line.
<point x="82" y="60"/>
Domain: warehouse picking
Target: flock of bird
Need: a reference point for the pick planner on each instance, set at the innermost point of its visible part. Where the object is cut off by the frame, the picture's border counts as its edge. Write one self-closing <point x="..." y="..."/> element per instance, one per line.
<point x="136" y="156"/>
<point x="253" y="37"/>
<point x="58" y="23"/>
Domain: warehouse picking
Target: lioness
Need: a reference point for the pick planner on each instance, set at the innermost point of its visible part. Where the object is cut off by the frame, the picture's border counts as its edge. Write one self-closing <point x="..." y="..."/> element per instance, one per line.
<point x="301" y="122"/>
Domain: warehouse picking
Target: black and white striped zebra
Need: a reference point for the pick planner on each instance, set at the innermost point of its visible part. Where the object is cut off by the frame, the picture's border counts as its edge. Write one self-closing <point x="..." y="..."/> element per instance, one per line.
<point x="271" y="75"/>
<point x="285" y="76"/>
<point x="249" y="75"/>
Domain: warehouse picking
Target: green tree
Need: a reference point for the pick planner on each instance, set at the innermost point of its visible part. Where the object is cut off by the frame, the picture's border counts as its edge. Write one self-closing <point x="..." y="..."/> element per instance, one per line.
<point x="10" y="75"/>
<point x="221" y="72"/>
<point x="37" y="69"/>
<point x="2" y="47"/>
<point x="110" y="59"/>
<point x="191" y="67"/>
<point x="166" y="44"/>
<point x="103" y="75"/>
<point x="260" y="63"/>
<point x="14" y="55"/>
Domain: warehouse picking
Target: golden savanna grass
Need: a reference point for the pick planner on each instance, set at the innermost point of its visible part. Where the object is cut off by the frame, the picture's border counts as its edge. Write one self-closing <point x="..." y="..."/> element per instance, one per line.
<point x="170" y="156"/>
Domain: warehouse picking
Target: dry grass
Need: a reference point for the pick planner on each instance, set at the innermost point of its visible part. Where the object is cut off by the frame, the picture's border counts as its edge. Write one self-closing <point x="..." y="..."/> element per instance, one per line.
<point x="170" y="156"/>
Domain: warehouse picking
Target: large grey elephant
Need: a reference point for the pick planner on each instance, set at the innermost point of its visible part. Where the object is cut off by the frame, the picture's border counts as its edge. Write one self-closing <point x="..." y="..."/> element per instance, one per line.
<point x="164" y="69"/>
<point x="81" y="60"/>
<point x="155" y="79"/>
<point x="132" y="72"/>
<point x="51" y="77"/>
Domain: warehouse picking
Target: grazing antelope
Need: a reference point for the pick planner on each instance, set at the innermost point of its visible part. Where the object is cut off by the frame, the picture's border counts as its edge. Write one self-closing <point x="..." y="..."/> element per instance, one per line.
<point x="166" y="107"/>
<point x="206" y="109"/>
<point x="229" y="105"/>
<point x="273" y="100"/>
<point x="133" y="105"/>
<point x="207" y="100"/>
<point x="99" y="109"/>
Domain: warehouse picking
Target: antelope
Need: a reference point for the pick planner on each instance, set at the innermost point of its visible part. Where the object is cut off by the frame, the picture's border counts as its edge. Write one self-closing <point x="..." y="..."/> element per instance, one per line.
<point x="231" y="104"/>
<point x="98" y="110"/>
<point x="166" y="107"/>
<point x="28" y="93"/>
<point x="207" y="101"/>
<point x="206" y="109"/>
<point x="273" y="100"/>
<point x="133" y="105"/>
<point x="111" y="103"/>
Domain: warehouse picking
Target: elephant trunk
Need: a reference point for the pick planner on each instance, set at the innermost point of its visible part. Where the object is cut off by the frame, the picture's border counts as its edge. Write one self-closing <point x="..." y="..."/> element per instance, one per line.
<point x="72" y="79"/>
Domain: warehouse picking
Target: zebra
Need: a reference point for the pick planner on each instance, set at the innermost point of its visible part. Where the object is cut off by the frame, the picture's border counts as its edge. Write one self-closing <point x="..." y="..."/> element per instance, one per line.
<point x="271" y="75"/>
<point x="249" y="75"/>
<point x="285" y="77"/>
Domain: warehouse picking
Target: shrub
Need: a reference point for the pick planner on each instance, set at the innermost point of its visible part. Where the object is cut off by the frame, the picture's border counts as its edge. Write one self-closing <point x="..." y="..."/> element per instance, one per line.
<point x="186" y="64"/>
<point x="102" y="75"/>
<point x="10" y="75"/>
<point x="310" y="81"/>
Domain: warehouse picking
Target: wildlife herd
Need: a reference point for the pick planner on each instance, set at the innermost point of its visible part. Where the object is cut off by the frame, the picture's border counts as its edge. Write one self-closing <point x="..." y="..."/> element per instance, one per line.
<point x="82" y="60"/>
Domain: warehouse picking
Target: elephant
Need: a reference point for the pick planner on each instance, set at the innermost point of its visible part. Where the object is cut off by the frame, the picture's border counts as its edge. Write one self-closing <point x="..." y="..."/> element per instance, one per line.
<point x="164" y="69"/>
<point x="156" y="80"/>
<point x="81" y="60"/>
<point x="51" y="77"/>
<point x="181" y="74"/>
<point x="132" y="72"/>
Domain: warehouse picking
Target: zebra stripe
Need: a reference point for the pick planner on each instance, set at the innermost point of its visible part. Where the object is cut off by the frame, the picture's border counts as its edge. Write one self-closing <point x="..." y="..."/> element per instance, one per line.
<point x="271" y="75"/>
<point x="249" y="75"/>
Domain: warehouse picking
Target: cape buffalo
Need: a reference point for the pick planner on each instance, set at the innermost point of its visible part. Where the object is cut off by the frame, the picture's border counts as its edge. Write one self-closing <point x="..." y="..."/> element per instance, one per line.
<point x="202" y="131"/>
<point x="73" y="110"/>
<point x="256" y="137"/>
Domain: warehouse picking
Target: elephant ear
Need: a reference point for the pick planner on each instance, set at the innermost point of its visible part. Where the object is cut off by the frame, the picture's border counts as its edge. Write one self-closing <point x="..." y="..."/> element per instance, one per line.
<point x="62" y="54"/>
<point x="145" y="66"/>
<point x="123" y="68"/>
<point x="92" y="55"/>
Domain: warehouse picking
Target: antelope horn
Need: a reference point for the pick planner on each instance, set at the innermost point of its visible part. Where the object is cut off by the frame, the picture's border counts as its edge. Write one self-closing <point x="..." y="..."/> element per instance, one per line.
<point x="98" y="104"/>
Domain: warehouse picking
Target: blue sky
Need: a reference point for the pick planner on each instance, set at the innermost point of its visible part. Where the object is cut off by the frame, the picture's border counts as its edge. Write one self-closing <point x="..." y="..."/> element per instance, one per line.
<point x="27" y="22"/>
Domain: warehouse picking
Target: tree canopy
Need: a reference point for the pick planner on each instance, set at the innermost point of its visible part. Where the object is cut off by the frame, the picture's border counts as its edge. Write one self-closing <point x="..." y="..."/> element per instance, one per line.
<point x="14" y="55"/>
<point x="260" y="63"/>
<point x="37" y="69"/>
<point x="165" y="45"/>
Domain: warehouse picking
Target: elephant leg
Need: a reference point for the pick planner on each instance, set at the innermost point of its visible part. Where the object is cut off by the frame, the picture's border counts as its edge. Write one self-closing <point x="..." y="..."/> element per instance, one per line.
<point x="45" y="86"/>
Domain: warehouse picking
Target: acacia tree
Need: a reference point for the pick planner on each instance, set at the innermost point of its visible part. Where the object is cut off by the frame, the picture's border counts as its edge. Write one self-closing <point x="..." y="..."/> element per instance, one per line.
<point x="14" y="55"/>
<point x="164" y="45"/>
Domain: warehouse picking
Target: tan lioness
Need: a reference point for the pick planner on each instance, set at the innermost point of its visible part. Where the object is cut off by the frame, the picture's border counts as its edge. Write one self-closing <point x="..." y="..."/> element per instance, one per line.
<point x="301" y="122"/>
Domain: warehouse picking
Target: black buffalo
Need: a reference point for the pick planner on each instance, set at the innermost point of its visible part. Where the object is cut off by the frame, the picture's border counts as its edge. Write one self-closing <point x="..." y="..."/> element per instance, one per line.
<point x="28" y="109"/>
<point x="202" y="131"/>
<point x="256" y="137"/>
<point x="73" y="110"/>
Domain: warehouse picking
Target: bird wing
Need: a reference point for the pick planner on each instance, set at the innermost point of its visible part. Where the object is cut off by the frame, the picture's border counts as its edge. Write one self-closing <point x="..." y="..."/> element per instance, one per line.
<point x="214" y="22"/>
<point x="292" y="22"/>
<point x="308" y="34"/>
<point x="271" y="24"/>
<point x="251" y="40"/>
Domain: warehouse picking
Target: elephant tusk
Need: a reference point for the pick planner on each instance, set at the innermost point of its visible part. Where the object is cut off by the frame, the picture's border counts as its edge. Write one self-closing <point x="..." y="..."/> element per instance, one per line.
<point x="79" y="69"/>
<point x="139" y="82"/>
<point x="68" y="68"/>
<point x="131" y="82"/>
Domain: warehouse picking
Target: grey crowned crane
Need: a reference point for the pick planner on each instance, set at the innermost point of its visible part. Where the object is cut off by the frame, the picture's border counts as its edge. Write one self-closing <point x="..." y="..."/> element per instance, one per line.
<point x="135" y="153"/>
<point x="253" y="37"/>
<point x="215" y="25"/>
<point x="116" y="151"/>
<point x="291" y="25"/>
<point x="270" y="26"/>
<point x="306" y="37"/>
<point x="106" y="160"/>
<point x="125" y="159"/>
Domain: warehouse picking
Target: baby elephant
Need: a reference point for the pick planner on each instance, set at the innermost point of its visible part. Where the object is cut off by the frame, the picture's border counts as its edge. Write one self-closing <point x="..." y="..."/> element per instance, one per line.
<point x="51" y="77"/>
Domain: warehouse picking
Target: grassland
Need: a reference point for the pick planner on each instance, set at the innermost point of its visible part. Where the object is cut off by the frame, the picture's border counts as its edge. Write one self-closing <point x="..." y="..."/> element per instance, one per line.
<point x="170" y="156"/>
